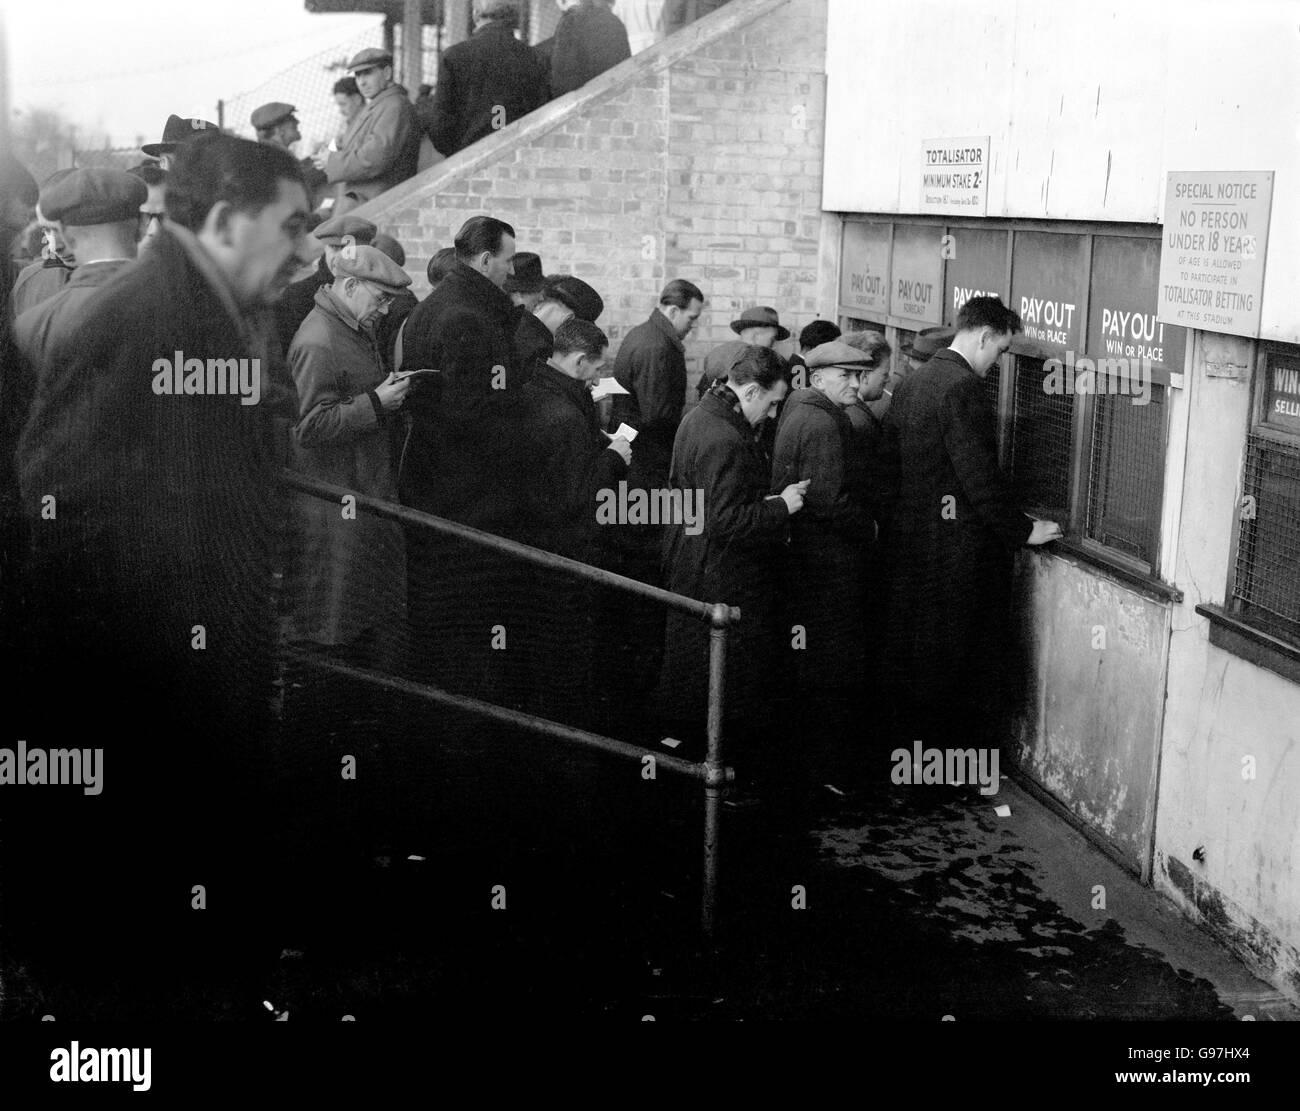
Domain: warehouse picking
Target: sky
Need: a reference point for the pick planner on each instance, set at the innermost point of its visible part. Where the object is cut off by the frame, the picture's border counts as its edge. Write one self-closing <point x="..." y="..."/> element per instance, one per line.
<point x="122" y="66"/>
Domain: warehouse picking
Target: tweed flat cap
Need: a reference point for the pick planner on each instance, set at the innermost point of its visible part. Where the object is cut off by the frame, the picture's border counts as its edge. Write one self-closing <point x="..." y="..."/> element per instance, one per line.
<point x="270" y="114"/>
<point x="370" y="264"/>
<point x="335" y="230"/>
<point x="371" y="56"/>
<point x="94" y="195"/>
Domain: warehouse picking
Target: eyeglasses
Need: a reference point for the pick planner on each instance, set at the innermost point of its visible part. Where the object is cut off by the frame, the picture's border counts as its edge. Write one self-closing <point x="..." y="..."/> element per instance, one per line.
<point x="147" y="218"/>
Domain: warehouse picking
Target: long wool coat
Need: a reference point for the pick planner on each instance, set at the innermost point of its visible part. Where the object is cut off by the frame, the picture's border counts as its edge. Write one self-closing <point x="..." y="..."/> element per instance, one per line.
<point x="733" y="559"/>
<point x="829" y="538"/>
<point x="954" y="527"/>
<point x="352" y="574"/>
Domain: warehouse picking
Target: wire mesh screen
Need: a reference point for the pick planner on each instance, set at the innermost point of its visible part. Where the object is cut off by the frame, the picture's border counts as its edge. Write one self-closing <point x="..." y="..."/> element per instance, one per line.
<point x="308" y="85"/>
<point x="1125" y="473"/>
<point x="993" y="387"/>
<point x="1268" y="547"/>
<point x="1040" y="441"/>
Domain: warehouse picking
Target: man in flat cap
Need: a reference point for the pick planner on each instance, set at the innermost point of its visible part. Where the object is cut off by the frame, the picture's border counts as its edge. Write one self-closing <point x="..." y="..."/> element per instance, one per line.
<point x="352" y="582"/>
<point x="823" y="630"/>
<point x="152" y="433"/>
<point x="334" y="235"/>
<point x="276" y="123"/>
<point x="381" y="147"/>
<point x="45" y="276"/>
<point x="98" y="214"/>
<point x="486" y="82"/>
<point x="176" y="132"/>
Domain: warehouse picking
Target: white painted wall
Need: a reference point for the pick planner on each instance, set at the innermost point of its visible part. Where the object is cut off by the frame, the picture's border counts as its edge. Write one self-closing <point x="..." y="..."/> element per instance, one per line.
<point x="1089" y="104"/>
<point x="1221" y="708"/>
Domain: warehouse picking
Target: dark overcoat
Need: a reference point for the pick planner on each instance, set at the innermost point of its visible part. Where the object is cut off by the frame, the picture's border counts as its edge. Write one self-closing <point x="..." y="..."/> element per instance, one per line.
<point x="589" y="40"/>
<point x="152" y="586"/>
<point x="829" y="539"/>
<point x="733" y="559"/>
<point x="484" y="83"/>
<point x="651" y="366"/>
<point x="955" y="525"/>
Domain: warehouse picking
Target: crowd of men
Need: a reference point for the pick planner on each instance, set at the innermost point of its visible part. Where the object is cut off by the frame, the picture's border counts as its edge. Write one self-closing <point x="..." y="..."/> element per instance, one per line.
<point x="189" y="334"/>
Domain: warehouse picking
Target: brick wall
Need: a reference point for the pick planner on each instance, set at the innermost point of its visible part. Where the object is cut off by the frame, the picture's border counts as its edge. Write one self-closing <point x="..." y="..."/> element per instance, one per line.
<point x="698" y="158"/>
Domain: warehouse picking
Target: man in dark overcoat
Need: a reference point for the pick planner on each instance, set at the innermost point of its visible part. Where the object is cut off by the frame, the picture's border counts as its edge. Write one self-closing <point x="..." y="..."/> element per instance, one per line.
<point x="822" y="622"/>
<point x="571" y="461"/>
<point x="733" y="557"/>
<point x="152" y="498"/>
<point x="955" y="525"/>
<point x="461" y="460"/>
<point x="486" y="82"/>
<point x="589" y="40"/>
<point x="651" y="367"/>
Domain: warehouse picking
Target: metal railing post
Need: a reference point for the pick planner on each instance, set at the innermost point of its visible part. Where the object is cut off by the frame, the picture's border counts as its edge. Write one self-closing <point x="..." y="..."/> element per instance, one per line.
<point x="715" y="774"/>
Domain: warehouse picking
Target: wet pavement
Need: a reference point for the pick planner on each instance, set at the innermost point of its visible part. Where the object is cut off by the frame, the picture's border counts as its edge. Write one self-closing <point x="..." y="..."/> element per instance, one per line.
<point x="472" y="872"/>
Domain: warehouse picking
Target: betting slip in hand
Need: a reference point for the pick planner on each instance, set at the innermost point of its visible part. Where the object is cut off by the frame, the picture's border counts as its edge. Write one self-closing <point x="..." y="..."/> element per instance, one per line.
<point x="606" y="387"/>
<point x="626" y="431"/>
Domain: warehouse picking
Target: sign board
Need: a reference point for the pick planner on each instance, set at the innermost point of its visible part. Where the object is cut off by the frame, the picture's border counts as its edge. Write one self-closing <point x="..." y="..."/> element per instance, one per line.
<point x="977" y="267"/>
<point x="915" y="285"/>
<point x="1282" y="392"/>
<point x="1122" y="319"/>
<point x="955" y="176"/>
<point x="864" y="267"/>
<point x="1047" y="285"/>
<point x="1212" y="249"/>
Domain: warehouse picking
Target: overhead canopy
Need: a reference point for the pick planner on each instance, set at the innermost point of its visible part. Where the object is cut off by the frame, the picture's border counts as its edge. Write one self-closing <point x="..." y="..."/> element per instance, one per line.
<point x="431" y="9"/>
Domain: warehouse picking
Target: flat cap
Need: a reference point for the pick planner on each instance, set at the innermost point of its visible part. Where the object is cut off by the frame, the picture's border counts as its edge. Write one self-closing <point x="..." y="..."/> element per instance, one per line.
<point x="335" y="230"/>
<point x="177" y="130"/>
<point x="585" y="302"/>
<point x="94" y="196"/>
<point x="390" y="247"/>
<point x="840" y="354"/>
<point x="370" y="264"/>
<point x="527" y="277"/>
<point x="270" y="114"/>
<point x="371" y="56"/>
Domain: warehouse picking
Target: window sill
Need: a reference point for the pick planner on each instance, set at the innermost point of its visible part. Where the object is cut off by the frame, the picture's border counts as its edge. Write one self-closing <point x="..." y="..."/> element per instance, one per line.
<point x="1138" y="581"/>
<point x="1251" y="643"/>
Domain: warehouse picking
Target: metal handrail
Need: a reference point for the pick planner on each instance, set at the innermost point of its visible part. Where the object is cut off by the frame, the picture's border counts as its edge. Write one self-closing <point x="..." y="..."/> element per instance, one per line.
<point x="712" y="772"/>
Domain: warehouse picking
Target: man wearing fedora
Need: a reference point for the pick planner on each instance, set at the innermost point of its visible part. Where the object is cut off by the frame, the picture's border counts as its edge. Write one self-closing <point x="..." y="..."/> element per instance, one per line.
<point x="381" y="147"/>
<point x="176" y="132"/>
<point x="561" y="298"/>
<point x="759" y="326"/>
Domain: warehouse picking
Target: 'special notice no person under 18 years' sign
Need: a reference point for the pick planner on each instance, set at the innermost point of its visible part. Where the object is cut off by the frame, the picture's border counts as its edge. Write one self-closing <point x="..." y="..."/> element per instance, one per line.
<point x="1212" y="249"/>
